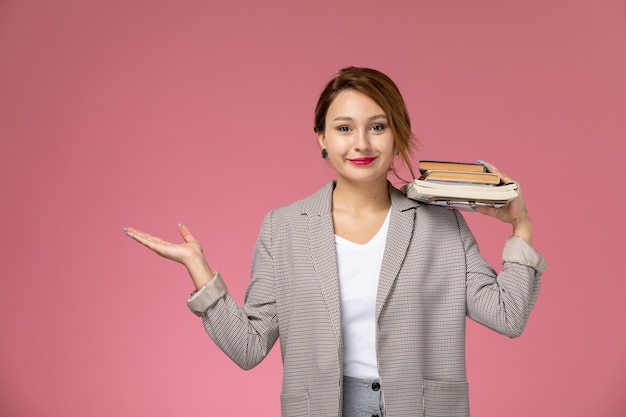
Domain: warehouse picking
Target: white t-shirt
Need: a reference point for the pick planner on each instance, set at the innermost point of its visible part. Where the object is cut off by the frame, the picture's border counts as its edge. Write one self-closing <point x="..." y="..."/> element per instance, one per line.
<point x="359" y="270"/>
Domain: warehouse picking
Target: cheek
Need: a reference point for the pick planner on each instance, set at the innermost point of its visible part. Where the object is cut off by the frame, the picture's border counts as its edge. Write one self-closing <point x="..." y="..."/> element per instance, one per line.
<point x="389" y="145"/>
<point x="335" y="142"/>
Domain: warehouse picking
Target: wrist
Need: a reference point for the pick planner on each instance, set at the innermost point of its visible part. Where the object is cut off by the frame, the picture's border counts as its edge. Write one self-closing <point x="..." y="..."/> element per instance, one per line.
<point x="199" y="271"/>
<point x="524" y="229"/>
<point x="524" y="221"/>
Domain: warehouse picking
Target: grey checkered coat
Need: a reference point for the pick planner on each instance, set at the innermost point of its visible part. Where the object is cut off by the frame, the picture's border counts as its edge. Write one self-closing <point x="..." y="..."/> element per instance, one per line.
<point x="432" y="277"/>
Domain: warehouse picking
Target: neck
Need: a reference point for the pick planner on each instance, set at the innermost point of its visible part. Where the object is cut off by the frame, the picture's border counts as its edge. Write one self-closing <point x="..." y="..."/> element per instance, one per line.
<point x="361" y="197"/>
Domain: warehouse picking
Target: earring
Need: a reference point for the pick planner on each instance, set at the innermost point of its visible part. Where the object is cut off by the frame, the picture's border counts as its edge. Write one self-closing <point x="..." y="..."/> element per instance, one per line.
<point x="324" y="153"/>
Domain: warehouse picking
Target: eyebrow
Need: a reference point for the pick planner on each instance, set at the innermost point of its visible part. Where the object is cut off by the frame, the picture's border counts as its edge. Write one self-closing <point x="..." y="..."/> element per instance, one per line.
<point x="376" y="117"/>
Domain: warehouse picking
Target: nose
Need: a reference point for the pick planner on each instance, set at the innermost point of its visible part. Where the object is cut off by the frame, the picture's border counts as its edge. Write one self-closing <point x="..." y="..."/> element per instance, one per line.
<point x="362" y="141"/>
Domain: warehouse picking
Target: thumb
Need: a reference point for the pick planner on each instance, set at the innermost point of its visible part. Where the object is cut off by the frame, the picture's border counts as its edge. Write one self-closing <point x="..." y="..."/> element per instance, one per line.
<point x="185" y="233"/>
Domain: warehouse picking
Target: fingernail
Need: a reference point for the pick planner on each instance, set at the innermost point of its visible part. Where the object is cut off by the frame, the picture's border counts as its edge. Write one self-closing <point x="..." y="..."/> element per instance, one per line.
<point x="180" y="224"/>
<point x="125" y="229"/>
<point x="480" y="161"/>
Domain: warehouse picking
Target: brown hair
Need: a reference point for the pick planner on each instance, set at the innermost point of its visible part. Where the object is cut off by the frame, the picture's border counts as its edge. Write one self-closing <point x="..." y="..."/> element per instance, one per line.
<point x="380" y="88"/>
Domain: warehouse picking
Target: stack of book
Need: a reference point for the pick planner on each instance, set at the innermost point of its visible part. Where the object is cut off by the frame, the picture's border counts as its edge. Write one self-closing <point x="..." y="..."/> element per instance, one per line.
<point x="462" y="185"/>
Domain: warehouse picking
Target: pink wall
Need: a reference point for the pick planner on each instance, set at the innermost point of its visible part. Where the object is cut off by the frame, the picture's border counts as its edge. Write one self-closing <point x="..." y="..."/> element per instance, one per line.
<point x="145" y="113"/>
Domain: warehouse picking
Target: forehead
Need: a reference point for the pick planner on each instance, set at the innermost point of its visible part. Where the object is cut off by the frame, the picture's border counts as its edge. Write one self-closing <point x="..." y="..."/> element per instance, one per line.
<point x="353" y="104"/>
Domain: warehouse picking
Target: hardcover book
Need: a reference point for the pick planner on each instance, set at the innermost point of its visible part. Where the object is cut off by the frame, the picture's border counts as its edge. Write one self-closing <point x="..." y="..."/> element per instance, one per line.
<point x="460" y="195"/>
<point x="426" y="165"/>
<point x="461" y="177"/>
<point x="460" y="185"/>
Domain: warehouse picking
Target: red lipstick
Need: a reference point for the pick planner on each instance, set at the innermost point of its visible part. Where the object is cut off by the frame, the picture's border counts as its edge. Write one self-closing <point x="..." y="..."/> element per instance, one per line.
<point x="362" y="161"/>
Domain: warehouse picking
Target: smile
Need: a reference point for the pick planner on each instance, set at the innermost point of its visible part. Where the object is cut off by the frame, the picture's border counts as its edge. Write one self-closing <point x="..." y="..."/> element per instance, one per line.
<point x="362" y="161"/>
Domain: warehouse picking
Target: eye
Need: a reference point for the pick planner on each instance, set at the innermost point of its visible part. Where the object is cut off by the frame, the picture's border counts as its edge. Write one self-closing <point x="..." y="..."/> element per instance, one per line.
<point x="343" y="128"/>
<point x="378" y="127"/>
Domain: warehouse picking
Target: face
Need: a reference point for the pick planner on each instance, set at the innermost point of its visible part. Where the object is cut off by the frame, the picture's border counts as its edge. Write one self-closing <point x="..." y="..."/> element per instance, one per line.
<point x="358" y="139"/>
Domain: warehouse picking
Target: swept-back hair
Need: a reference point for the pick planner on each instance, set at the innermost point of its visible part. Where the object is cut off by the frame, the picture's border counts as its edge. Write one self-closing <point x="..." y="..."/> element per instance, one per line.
<point x="380" y="88"/>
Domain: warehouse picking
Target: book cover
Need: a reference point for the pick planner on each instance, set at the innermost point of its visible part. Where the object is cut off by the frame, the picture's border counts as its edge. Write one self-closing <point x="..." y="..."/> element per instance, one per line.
<point x="426" y="165"/>
<point x="460" y="194"/>
<point x="461" y="176"/>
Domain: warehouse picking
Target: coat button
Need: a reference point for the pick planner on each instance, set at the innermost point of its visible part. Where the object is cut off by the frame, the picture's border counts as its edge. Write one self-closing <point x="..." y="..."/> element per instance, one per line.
<point x="375" y="386"/>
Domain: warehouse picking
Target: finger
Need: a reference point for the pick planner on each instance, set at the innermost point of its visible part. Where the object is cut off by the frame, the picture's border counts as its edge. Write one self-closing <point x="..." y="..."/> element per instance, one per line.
<point x="185" y="233"/>
<point x="488" y="211"/>
<point x="135" y="232"/>
<point x="490" y="167"/>
<point x="493" y="169"/>
<point x="151" y="242"/>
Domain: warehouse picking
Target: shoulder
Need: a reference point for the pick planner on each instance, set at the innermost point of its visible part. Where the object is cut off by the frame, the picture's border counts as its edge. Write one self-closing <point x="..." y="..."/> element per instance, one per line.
<point x="319" y="202"/>
<point x="401" y="202"/>
<point x="292" y="221"/>
<point x="426" y="215"/>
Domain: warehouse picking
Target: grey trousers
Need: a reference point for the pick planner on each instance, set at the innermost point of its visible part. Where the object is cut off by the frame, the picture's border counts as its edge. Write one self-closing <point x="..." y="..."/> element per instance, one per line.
<point x="362" y="398"/>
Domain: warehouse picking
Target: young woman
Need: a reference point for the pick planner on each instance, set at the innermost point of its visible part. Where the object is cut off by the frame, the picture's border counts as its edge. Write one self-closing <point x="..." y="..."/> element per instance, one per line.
<point x="367" y="290"/>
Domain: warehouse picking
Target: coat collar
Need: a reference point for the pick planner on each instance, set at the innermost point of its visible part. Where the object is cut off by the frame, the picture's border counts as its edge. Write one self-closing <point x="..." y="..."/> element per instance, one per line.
<point x="320" y="202"/>
<point x="324" y="257"/>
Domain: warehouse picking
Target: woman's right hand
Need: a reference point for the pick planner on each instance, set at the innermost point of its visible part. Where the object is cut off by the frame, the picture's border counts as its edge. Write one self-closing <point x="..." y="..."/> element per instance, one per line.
<point x="188" y="253"/>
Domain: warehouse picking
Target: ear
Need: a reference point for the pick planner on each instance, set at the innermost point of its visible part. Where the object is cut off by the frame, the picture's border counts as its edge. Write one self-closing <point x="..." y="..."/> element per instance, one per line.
<point x="321" y="138"/>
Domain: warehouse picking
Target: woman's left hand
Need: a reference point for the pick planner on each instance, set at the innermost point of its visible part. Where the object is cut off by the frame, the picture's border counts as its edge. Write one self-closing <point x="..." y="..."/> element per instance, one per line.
<point x="515" y="212"/>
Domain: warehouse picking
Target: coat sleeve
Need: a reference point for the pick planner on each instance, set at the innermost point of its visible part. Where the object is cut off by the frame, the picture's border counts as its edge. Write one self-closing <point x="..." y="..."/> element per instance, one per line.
<point x="245" y="333"/>
<point x="501" y="301"/>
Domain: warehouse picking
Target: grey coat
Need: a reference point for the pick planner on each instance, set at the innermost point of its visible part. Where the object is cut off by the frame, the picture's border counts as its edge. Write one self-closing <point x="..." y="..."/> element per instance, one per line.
<point x="432" y="277"/>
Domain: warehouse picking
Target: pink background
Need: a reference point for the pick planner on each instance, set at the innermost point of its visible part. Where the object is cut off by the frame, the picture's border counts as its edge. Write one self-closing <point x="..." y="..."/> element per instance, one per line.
<point x="146" y="113"/>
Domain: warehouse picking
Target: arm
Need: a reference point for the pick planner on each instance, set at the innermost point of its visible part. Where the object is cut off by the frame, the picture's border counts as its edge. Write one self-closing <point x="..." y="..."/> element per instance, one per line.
<point x="503" y="302"/>
<point x="245" y="334"/>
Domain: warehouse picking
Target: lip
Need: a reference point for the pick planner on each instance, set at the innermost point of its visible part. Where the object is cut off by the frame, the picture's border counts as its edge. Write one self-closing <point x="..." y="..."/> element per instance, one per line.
<point x="362" y="161"/>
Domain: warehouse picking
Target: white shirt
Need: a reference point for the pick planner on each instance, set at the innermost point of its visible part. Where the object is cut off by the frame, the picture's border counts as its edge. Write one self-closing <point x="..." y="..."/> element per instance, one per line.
<point x="359" y="270"/>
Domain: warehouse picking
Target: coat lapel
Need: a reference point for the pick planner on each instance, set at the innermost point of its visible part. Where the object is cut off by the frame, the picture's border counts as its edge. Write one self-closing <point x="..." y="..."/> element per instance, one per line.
<point x="401" y="226"/>
<point x="317" y="207"/>
<point x="323" y="254"/>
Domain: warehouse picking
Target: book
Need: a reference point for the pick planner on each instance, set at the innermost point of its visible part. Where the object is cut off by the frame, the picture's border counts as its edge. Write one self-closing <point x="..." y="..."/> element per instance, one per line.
<point x="460" y="185"/>
<point x="461" y="176"/>
<point x="427" y="165"/>
<point x="460" y="196"/>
